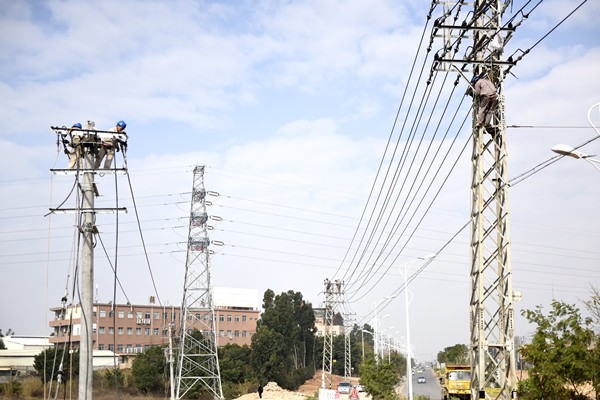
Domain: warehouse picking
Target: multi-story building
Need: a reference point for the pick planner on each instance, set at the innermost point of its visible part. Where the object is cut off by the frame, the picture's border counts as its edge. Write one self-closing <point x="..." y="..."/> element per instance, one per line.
<point x="338" y="323"/>
<point x="127" y="328"/>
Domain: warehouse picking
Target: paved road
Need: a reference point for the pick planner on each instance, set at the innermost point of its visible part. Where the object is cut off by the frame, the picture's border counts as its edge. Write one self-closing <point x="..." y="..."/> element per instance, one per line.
<point x="430" y="388"/>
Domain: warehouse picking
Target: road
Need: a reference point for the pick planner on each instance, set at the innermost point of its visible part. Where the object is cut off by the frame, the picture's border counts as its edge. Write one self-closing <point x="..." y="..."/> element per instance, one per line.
<point x="430" y="388"/>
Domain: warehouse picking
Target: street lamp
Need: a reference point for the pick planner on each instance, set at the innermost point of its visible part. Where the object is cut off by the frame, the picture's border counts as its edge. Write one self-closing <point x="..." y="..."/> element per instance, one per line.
<point x="408" y="354"/>
<point x="566" y="150"/>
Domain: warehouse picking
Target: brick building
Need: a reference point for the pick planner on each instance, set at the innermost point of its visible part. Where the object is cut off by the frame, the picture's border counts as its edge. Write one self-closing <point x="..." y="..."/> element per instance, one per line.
<point x="127" y="328"/>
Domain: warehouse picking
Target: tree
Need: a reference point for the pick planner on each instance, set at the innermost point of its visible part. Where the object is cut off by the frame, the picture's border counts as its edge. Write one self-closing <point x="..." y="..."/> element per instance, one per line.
<point x="283" y="345"/>
<point x="561" y="353"/>
<point x="2" y="345"/>
<point x="457" y="354"/>
<point x="379" y="380"/>
<point x="148" y="369"/>
<point x="49" y="362"/>
<point x="234" y="363"/>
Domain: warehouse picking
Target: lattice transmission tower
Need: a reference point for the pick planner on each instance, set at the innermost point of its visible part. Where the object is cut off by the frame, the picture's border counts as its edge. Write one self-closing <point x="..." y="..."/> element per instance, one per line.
<point x="198" y="362"/>
<point x="492" y="351"/>
<point x="330" y="301"/>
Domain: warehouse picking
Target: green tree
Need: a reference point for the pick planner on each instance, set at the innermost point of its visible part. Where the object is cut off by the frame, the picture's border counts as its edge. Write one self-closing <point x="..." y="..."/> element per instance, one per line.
<point x="457" y="354"/>
<point x="234" y="363"/>
<point x="2" y="345"/>
<point x="51" y="361"/>
<point x="379" y="380"/>
<point x="147" y="370"/>
<point x="560" y="352"/>
<point x="283" y="345"/>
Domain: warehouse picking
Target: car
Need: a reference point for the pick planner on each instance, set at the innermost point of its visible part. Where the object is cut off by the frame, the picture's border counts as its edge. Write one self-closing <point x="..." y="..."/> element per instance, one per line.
<point x="421" y="379"/>
<point x="360" y="388"/>
<point x="344" y="387"/>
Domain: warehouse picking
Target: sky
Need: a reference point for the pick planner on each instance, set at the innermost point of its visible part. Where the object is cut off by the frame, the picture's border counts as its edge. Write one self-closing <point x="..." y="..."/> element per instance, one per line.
<point x="289" y="106"/>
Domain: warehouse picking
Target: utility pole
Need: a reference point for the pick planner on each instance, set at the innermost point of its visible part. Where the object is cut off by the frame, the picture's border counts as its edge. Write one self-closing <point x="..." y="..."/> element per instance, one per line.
<point x="492" y="351"/>
<point x="87" y="228"/>
<point x="328" y="335"/>
<point x="198" y="361"/>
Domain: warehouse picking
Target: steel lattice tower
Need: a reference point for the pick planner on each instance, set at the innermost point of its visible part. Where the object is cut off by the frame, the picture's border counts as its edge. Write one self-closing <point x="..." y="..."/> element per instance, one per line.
<point x="198" y="362"/>
<point x="492" y="350"/>
<point x="347" y="348"/>
<point x="328" y="335"/>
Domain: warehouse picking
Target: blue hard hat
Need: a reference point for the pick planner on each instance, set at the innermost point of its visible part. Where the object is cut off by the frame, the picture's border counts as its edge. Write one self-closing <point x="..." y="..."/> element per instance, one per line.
<point x="122" y="124"/>
<point x="76" y="125"/>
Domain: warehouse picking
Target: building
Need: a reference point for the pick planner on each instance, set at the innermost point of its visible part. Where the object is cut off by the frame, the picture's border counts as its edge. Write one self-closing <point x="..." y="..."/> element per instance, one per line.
<point x="129" y="329"/>
<point x="338" y="323"/>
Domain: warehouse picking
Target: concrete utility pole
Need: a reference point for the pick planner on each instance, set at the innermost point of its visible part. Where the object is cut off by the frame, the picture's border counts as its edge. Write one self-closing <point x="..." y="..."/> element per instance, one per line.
<point x="198" y="362"/>
<point x="87" y="229"/>
<point x="492" y="349"/>
<point x="87" y="283"/>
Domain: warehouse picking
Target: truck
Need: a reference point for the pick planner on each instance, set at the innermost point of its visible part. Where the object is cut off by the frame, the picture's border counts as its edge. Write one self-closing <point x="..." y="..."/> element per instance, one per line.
<point x="456" y="382"/>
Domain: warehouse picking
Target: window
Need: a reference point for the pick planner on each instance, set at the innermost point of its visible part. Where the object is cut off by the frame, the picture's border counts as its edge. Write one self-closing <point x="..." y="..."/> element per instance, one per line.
<point x="221" y="318"/>
<point x="205" y="332"/>
<point x="237" y="318"/>
<point x="101" y="330"/>
<point x="138" y="331"/>
<point x="138" y="314"/>
<point x="147" y="315"/>
<point x="111" y="330"/>
<point x="120" y="330"/>
<point x="164" y="316"/>
<point x="244" y="333"/>
<point x="229" y="333"/>
<point x="129" y="331"/>
<point x="128" y="348"/>
<point x="237" y="333"/>
<point x="111" y="347"/>
<point x="155" y="331"/>
<point x="197" y="317"/>
<point x="156" y="315"/>
<point x="100" y="347"/>
<point x="120" y="348"/>
<point x="102" y="313"/>
<point x="111" y="314"/>
<point x="121" y="314"/>
<point x="243" y="318"/>
<point x="130" y="314"/>
<point x="189" y="317"/>
<point x="222" y="333"/>
<point x="229" y="318"/>
<point x="146" y="346"/>
<point x="94" y="314"/>
<point x="147" y="332"/>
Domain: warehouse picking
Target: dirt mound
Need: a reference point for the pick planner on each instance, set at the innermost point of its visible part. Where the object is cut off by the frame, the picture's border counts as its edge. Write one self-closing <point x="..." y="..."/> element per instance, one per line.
<point x="273" y="391"/>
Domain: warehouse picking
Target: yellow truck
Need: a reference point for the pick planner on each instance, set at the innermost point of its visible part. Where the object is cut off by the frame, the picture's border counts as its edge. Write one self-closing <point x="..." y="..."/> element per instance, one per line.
<point x="456" y="382"/>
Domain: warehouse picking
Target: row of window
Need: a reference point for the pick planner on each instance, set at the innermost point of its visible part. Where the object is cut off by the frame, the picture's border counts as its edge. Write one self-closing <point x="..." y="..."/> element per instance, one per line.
<point x="165" y="332"/>
<point x="156" y="315"/>
<point x="130" y="348"/>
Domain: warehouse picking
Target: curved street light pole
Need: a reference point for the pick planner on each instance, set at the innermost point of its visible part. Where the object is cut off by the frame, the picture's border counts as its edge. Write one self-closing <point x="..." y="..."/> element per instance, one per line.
<point x="569" y="151"/>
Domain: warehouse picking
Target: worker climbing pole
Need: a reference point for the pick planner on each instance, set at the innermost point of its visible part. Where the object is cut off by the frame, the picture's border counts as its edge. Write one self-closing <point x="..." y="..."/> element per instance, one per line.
<point x="492" y="351"/>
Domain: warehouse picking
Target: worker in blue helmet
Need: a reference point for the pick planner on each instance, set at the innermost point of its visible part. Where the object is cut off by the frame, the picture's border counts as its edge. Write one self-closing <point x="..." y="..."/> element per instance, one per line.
<point x="111" y="142"/>
<point x="75" y="153"/>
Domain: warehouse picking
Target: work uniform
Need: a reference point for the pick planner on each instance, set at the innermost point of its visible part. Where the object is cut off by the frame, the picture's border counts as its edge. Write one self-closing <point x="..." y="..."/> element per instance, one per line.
<point x="486" y="93"/>
<point x="76" y="152"/>
<point x="109" y="144"/>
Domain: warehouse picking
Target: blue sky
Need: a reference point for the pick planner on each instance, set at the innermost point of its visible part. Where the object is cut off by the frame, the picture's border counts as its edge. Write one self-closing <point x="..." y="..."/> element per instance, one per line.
<point x="289" y="105"/>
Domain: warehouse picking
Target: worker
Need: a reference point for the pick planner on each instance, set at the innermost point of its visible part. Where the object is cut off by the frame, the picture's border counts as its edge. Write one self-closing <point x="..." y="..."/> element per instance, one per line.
<point x="110" y="143"/>
<point x="486" y="95"/>
<point x="354" y="393"/>
<point x="76" y="152"/>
